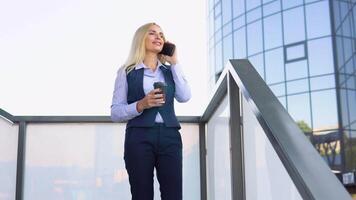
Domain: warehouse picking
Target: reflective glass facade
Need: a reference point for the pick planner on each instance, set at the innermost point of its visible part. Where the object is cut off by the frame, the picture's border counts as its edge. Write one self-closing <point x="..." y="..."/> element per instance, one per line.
<point x="305" y="51"/>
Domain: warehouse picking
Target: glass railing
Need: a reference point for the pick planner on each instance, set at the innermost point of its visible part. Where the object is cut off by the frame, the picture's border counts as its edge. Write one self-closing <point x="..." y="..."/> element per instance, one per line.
<point x="8" y="150"/>
<point x="244" y="146"/>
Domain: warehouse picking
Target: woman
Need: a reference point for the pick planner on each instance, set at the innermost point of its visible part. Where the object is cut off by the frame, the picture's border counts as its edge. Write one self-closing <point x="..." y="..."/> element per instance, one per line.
<point x="152" y="137"/>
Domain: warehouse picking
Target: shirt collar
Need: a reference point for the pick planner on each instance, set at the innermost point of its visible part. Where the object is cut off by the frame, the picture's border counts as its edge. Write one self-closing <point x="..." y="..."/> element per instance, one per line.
<point x="141" y="65"/>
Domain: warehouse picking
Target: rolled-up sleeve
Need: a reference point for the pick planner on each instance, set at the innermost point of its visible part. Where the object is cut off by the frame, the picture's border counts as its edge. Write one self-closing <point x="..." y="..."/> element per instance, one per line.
<point x="182" y="93"/>
<point x="120" y="110"/>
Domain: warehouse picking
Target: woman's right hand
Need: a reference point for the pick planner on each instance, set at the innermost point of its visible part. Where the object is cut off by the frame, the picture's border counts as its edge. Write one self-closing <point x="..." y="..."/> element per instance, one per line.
<point x="152" y="99"/>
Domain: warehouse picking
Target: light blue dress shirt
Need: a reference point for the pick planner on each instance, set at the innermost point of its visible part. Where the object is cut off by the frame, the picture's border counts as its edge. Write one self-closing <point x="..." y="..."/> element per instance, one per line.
<point x="122" y="111"/>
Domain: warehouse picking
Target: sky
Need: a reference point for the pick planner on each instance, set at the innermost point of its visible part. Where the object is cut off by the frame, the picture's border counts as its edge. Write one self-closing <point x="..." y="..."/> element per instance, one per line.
<point x="61" y="57"/>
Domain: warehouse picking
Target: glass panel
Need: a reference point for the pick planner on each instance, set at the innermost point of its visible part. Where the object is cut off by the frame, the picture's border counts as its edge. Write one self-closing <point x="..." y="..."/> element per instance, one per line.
<point x="240" y="43"/>
<point x="250" y="4"/>
<point x="217" y="10"/>
<point x="352" y="105"/>
<point x="218" y="36"/>
<point x="296" y="51"/>
<point x="85" y="161"/>
<point x="211" y="26"/>
<point x="346" y="26"/>
<point x="274" y="66"/>
<point x="324" y="110"/>
<point x="299" y="108"/>
<point x="239" y="22"/>
<point x="273" y="31"/>
<point x="217" y="24"/>
<point x="294" y="30"/>
<point x="218" y="154"/>
<point x="340" y="55"/>
<point x="323" y="82"/>
<point x="349" y="67"/>
<point x="228" y="54"/>
<point x="254" y="38"/>
<point x="8" y="159"/>
<point x="317" y="25"/>
<point x="239" y="7"/>
<point x="344" y="108"/>
<point x="218" y="58"/>
<point x="226" y="12"/>
<point x="271" y="8"/>
<point x="297" y="70"/>
<point x="297" y="86"/>
<point x="265" y="176"/>
<point x="291" y="3"/>
<point x="227" y="29"/>
<point x="254" y="15"/>
<point x="347" y="48"/>
<point x="320" y="56"/>
<point x="337" y="19"/>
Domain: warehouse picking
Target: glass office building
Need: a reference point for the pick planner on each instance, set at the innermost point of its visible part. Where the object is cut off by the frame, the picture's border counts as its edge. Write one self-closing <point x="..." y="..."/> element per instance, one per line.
<point x="305" y="51"/>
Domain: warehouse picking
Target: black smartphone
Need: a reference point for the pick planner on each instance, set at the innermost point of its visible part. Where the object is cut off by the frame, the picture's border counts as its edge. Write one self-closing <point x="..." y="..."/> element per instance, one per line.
<point x="168" y="49"/>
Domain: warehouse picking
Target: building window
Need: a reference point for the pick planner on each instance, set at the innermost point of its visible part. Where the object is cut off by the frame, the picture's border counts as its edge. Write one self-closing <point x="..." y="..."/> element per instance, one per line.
<point x="295" y="52"/>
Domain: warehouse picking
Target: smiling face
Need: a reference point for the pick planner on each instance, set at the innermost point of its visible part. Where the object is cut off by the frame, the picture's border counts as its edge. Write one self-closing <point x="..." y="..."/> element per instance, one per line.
<point x="154" y="39"/>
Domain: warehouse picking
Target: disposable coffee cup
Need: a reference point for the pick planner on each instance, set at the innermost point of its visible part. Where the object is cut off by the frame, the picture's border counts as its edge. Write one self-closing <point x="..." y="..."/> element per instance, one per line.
<point x="163" y="87"/>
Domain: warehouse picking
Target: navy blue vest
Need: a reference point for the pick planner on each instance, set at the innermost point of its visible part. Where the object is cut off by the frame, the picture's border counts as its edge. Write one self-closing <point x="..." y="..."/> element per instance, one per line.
<point x="148" y="116"/>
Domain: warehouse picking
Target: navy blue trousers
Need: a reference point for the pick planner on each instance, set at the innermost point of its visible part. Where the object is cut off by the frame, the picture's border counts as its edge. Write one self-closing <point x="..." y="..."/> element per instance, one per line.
<point x="157" y="147"/>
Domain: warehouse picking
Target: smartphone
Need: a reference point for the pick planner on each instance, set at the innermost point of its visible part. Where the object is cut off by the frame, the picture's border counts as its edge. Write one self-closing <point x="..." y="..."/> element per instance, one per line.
<point x="168" y="49"/>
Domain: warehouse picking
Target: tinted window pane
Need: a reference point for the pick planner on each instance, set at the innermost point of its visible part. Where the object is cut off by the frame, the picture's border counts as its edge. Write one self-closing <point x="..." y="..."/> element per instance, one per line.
<point x="299" y="107"/>
<point x="323" y="82"/>
<point x="226" y="12"/>
<point x="239" y="22"/>
<point x="317" y="24"/>
<point x="320" y="56"/>
<point x="273" y="31"/>
<point x="227" y="29"/>
<point x="339" y="47"/>
<point x="254" y="37"/>
<point x="218" y="57"/>
<point x="274" y="66"/>
<point x="211" y="25"/>
<point x="293" y="23"/>
<point x="351" y="82"/>
<point x="297" y="86"/>
<point x="217" y="24"/>
<point x="271" y="8"/>
<point x="240" y="43"/>
<point x="344" y="107"/>
<point x="228" y="54"/>
<point x="296" y="70"/>
<point x="295" y="52"/>
<point x="217" y="9"/>
<point x="347" y="48"/>
<point x="291" y="3"/>
<point x="239" y="7"/>
<point x="254" y="15"/>
<point x="352" y="105"/>
<point x="252" y="4"/>
<point x="257" y="62"/>
<point x="324" y="109"/>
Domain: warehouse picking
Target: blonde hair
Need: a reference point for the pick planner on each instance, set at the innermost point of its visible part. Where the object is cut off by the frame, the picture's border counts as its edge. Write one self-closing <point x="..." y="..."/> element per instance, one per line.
<point x="138" y="48"/>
